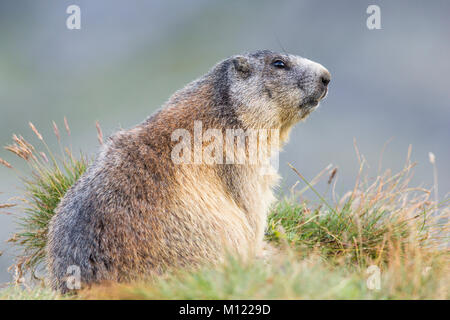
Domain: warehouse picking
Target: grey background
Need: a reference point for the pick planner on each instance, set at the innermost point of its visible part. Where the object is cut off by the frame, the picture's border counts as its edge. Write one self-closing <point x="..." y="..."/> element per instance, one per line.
<point x="130" y="56"/>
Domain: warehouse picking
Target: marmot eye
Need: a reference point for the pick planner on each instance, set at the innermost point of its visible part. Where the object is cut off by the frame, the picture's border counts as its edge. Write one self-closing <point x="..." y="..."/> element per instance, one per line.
<point x="279" y="64"/>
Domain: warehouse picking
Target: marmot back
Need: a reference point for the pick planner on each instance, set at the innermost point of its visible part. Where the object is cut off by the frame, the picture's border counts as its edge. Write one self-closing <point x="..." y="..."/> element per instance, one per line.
<point x="179" y="189"/>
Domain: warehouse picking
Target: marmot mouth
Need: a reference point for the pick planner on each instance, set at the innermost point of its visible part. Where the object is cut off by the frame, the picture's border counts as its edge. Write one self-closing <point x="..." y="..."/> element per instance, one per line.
<point x="310" y="103"/>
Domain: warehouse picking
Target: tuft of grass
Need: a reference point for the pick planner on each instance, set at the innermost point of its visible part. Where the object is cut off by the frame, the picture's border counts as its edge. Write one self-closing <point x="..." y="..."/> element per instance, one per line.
<point x="47" y="179"/>
<point x="366" y="224"/>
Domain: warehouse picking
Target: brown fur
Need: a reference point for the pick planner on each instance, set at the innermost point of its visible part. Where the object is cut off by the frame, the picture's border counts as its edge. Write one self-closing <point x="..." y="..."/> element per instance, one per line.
<point x="136" y="213"/>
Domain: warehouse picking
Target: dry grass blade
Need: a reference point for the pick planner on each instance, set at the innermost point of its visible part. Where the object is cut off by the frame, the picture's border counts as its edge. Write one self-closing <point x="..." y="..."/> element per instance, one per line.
<point x="99" y="132"/>
<point x="35" y="131"/>
<point x="5" y="163"/>
<point x="44" y="157"/>
<point x="20" y="152"/>
<point x="66" y="124"/>
<point x="332" y="175"/>
<point x="311" y="187"/>
<point x="7" y="205"/>
<point x="56" y="131"/>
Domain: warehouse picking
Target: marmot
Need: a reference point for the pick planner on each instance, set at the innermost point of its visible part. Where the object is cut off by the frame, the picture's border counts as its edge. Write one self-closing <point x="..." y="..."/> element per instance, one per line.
<point x="136" y="212"/>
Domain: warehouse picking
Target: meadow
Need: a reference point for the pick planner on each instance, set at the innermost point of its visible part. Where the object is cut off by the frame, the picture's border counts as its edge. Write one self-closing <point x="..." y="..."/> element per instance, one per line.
<point x="385" y="239"/>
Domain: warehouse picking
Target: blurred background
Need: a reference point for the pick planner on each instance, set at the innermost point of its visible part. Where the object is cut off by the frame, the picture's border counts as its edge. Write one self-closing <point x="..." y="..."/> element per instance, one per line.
<point x="130" y="56"/>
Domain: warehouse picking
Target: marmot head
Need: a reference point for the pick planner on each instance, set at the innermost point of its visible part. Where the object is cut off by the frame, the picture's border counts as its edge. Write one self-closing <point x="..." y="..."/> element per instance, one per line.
<point x="274" y="90"/>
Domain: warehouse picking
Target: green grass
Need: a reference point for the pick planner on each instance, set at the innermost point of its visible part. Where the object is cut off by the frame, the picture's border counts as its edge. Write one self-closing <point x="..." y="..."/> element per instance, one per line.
<point x="286" y="277"/>
<point x="322" y="250"/>
<point x="49" y="177"/>
<point x="43" y="192"/>
<point x="20" y="293"/>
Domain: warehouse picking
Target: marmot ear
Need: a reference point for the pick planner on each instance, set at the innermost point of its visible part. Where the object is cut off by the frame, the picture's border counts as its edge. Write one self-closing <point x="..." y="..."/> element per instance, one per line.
<point x="242" y="66"/>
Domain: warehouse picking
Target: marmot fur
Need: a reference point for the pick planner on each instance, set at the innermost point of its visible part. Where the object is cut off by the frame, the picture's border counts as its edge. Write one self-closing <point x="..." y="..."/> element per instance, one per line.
<point x="136" y="212"/>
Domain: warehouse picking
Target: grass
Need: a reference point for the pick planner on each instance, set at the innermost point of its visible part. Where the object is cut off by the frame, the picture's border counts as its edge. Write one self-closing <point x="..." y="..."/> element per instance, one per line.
<point x="382" y="240"/>
<point x="49" y="177"/>
<point x="20" y="293"/>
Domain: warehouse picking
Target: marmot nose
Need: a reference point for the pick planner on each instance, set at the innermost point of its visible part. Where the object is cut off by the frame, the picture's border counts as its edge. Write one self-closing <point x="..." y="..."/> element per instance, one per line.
<point x="325" y="78"/>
